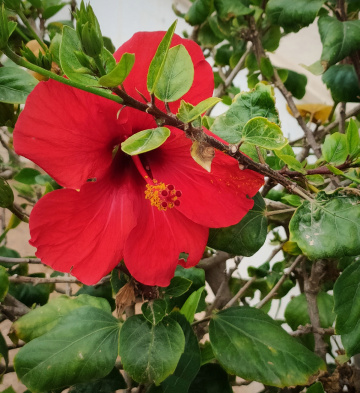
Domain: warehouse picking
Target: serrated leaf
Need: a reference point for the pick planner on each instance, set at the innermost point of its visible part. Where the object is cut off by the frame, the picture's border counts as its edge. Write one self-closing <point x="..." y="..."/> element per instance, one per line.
<point x="292" y="16"/>
<point x="257" y="348"/>
<point x="203" y="154"/>
<point x="70" y="64"/>
<point x="318" y="226"/>
<point x="188" y="113"/>
<point x="158" y="61"/>
<point x="81" y="348"/>
<point x="154" y="311"/>
<point x="339" y="39"/>
<point x="191" y="304"/>
<point x="259" y="102"/>
<point x="343" y="83"/>
<point x="176" y="76"/>
<point x="27" y="176"/>
<point x="4" y="283"/>
<point x="352" y="138"/>
<point x="189" y="363"/>
<point x="15" y="85"/>
<point x="334" y="149"/>
<point x="150" y="353"/>
<point x="246" y="237"/>
<point x="261" y="132"/>
<point x="42" y="319"/>
<point x="145" y="140"/>
<point x="347" y="308"/>
<point x="178" y="286"/>
<point x="120" y="72"/>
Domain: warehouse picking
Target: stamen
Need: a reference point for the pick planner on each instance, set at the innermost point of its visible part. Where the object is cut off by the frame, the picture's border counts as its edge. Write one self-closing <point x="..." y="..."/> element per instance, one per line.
<point x="161" y="196"/>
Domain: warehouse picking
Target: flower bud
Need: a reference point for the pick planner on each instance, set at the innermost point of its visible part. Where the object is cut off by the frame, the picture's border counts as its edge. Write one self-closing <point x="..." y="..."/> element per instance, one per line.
<point x="88" y="29"/>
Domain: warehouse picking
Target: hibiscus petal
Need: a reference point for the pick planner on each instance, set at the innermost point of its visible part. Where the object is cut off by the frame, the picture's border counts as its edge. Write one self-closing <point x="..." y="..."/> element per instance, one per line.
<point x="144" y="45"/>
<point x="217" y="199"/>
<point x="69" y="133"/>
<point x="84" y="232"/>
<point x="153" y="246"/>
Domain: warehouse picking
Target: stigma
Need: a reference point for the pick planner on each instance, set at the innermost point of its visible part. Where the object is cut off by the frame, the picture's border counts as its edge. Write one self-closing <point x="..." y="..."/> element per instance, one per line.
<point x="162" y="196"/>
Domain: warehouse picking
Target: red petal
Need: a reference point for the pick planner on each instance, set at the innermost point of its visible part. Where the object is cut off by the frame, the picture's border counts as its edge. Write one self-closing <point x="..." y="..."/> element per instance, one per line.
<point x="84" y="232"/>
<point x="144" y="45"/>
<point x="153" y="246"/>
<point x="68" y="132"/>
<point x="217" y="199"/>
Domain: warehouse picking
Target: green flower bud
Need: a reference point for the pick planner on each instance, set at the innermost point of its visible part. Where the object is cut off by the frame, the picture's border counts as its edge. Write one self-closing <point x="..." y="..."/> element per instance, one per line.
<point x="88" y="29"/>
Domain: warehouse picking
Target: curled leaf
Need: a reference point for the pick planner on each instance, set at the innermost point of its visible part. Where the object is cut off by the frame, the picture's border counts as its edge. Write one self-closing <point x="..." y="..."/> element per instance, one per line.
<point x="203" y="154"/>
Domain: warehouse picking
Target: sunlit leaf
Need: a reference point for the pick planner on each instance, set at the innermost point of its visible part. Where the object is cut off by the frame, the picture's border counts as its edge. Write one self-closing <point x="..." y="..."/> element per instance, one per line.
<point x="145" y="140"/>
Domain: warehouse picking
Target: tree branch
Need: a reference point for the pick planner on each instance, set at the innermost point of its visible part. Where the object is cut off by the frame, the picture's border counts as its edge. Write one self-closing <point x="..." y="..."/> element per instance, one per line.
<point x="51" y="280"/>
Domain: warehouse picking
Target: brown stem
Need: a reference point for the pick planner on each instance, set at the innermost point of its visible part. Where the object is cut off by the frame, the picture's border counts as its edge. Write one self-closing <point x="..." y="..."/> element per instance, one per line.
<point x="19" y="213"/>
<point x="322" y="170"/>
<point x="240" y="293"/>
<point x="13" y="308"/>
<point x="301" y="330"/>
<point x="19" y="260"/>
<point x="311" y="290"/>
<point x="342" y="117"/>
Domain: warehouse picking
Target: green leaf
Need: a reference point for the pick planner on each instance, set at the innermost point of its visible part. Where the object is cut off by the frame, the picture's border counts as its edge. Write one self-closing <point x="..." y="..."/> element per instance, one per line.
<point x="246" y="237"/>
<point x="211" y="379"/>
<point x="27" y="176"/>
<point x="4" y="283"/>
<point x="177" y="287"/>
<point x="343" y="83"/>
<point x="109" y="384"/>
<point x="290" y="161"/>
<point x="176" y="76"/>
<point x="228" y="9"/>
<point x="273" y="357"/>
<point x="271" y="38"/>
<point x="120" y="72"/>
<point x="316" y="388"/>
<point x="51" y="7"/>
<point x="291" y="15"/>
<point x="339" y="39"/>
<point x="150" y="353"/>
<point x="15" y="85"/>
<point x="190" y="306"/>
<point x="352" y="138"/>
<point x="261" y="132"/>
<point x="293" y="200"/>
<point x="4" y="352"/>
<point x="246" y="106"/>
<point x="296" y="84"/>
<point x="266" y="67"/>
<point x="145" y="140"/>
<point x="189" y="363"/>
<point x="335" y="149"/>
<point x="188" y="113"/>
<point x="81" y="348"/>
<point x="319" y="226"/>
<point x="70" y="64"/>
<point x="6" y="194"/>
<point x="347" y="308"/>
<point x="199" y="11"/>
<point x="11" y="390"/>
<point x="158" y="61"/>
<point x="154" y="311"/>
<point x="42" y="319"/>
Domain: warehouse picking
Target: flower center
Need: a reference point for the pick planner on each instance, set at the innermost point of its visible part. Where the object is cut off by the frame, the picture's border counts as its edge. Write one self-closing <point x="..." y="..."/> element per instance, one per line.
<point x="162" y="196"/>
<point x="159" y="194"/>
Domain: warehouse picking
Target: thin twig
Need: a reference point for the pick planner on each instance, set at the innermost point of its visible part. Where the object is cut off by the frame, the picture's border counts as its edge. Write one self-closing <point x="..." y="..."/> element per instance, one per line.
<point x="241" y="292"/>
<point x="19" y="260"/>
<point x="48" y="280"/>
<point x="301" y="330"/>
<point x="273" y="292"/>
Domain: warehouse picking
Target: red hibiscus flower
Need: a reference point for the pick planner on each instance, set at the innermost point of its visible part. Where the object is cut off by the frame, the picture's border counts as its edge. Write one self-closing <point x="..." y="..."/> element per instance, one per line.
<point x="145" y="209"/>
